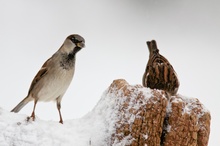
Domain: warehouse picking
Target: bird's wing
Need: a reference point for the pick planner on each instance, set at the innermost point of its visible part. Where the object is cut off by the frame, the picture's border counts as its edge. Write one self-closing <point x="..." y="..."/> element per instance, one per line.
<point x="41" y="73"/>
<point x="159" y="72"/>
<point x="167" y="72"/>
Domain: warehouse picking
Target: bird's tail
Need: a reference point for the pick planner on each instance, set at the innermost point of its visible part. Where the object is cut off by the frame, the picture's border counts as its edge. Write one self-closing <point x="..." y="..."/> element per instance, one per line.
<point x="21" y="104"/>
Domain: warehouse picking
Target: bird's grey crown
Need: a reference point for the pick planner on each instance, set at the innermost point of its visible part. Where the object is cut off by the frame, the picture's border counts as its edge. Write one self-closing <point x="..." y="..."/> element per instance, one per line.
<point x="75" y="38"/>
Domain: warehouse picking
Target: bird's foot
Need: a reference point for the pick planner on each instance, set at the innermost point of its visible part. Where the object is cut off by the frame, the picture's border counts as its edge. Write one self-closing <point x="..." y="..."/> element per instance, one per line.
<point x="31" y="117"/>
<point x="61" y="121"/>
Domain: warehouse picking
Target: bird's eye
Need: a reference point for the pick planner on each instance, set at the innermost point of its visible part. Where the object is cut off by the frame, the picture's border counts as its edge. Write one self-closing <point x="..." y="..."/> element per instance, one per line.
<point x="73" y="38"/>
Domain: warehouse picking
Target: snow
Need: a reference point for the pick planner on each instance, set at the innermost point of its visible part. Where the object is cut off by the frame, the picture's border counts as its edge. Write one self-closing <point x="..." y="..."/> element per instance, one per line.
<point x="15" y="130"/>
<point x="189" y="104"/>
<point x="94" y="129"/>
<point x="192" y="103"/>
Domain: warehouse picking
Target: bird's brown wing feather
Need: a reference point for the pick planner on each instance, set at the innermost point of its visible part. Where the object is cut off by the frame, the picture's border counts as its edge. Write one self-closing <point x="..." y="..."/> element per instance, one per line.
<point x="160" y="74"/>
<point x="41" y="73"/>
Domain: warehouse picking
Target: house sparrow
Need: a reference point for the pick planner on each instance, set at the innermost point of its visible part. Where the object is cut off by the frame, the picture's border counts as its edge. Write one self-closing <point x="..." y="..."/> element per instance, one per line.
<point x="159" y="73"/>
<point x="54" y="77"/>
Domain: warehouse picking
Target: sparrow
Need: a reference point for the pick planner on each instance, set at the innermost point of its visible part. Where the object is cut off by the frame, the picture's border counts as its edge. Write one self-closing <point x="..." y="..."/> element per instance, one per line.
<point x="159" y="73"/>
<point x="55" y="76"/>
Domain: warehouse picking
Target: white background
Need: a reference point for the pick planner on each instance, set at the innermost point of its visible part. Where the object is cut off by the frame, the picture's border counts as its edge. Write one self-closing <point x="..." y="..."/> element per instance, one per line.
<point x="187" y="33"/>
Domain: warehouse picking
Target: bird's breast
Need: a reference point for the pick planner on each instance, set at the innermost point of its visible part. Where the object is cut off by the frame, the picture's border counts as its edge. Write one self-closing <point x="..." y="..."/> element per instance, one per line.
<point x="54" y="84"/>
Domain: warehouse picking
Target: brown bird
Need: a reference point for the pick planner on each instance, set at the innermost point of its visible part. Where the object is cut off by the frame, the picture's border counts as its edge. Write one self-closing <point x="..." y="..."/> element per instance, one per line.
<point x="159" y="73"/>
<point x="55" y="76"/>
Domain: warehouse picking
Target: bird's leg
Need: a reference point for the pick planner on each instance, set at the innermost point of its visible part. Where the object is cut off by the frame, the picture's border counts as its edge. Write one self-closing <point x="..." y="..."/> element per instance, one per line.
<point x="33" y="113"/>
<point x="59" y="107"/>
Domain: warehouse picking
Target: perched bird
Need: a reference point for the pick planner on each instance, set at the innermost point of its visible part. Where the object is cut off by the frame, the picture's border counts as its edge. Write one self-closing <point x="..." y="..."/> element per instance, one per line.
<point x="159" y="73"/>
<point x="54" y="77"/>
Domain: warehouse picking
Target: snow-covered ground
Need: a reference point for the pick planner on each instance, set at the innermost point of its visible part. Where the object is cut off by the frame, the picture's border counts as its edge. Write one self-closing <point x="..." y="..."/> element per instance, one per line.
<point x="94" y="129"/>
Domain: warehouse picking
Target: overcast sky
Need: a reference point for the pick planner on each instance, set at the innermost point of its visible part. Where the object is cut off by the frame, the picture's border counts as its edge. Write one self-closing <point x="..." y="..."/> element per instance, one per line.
<point x="187" y="33"/>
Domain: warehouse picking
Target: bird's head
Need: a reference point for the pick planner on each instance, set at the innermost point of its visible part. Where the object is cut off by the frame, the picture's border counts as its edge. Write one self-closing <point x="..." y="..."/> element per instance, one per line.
<point x="73" y="43"/>
<point x="152" y="46"/>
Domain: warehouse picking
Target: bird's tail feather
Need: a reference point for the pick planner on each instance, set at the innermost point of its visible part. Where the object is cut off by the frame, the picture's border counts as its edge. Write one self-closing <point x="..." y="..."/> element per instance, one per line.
<point x="21" y="104"/>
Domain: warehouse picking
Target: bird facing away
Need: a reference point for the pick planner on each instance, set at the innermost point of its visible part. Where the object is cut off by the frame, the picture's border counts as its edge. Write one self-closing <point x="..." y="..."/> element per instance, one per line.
<point x="54" y="77"/>
<point x="159" y="73"/>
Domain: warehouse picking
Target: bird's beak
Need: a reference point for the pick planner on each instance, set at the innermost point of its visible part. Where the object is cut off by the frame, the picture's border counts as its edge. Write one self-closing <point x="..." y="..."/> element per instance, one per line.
<point x="81" y="44"/>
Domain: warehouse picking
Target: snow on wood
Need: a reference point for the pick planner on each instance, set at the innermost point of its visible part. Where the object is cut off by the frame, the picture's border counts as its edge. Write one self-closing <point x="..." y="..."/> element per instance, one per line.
<point x="125" y="115"/>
